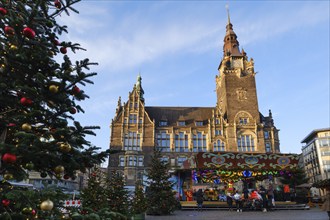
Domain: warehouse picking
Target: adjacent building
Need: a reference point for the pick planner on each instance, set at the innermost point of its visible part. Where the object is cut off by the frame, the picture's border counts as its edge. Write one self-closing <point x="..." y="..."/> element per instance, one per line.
<point x="316" y="154"/>
<point x="233" y="124"/>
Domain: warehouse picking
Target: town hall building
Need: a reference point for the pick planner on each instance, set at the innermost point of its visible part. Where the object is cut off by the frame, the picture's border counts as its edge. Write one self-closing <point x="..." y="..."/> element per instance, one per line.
<point x="234" y="124"/>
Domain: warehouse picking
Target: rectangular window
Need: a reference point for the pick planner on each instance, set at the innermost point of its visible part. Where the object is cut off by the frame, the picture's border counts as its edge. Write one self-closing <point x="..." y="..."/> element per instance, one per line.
<point x="181" y="123"/>
<point x="243" y="121"/>
<point x="164" y="159"/>
<point x="163" y="141"/>
<point x="218" y="132"/>
<point x="199" y="123"/>
<point x="132" y="118"/>
<point x="181" y="160"/>
<point x="199" y="142"/>
<point x="245" y="143"/>
<point x="130" y="161"/>
<point x="163" y="123"/>
<point x="266" y="133"/>
<point x="132" y="141"/>
<point x="121" y="161"/>
<point x="181" y="142"/>
<point x="140" y="161"/>
<point x="268" y="147"/>
<point x="217" y="121"/>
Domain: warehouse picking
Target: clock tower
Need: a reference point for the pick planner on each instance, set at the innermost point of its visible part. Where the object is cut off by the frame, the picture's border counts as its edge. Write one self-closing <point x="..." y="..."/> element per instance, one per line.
<point x="237" y="99"/>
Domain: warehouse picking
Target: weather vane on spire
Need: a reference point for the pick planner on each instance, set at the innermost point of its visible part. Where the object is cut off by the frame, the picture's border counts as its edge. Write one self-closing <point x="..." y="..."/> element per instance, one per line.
<point x="227" y="7"/>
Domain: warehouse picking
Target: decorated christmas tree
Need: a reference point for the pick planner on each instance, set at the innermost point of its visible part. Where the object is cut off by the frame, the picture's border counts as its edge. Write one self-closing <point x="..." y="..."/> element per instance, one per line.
<point x="116" y="194"/>
<point x="40" y="91"/>
<point x="160" y="195"/>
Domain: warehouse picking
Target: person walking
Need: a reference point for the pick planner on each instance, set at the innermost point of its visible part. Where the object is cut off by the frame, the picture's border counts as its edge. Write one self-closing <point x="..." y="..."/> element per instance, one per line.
<point x="270" y="197"/>
<point x="238" y="202"/>
<point x="326" y="204"/>
<point x="230" y="201"/>
<point x="262" y="192"/>
<point x="200" y="199"/>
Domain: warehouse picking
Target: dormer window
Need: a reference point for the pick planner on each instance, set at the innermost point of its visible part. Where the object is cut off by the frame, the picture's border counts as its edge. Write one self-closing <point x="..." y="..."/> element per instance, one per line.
<point x="243" y="121"/>
<point x="163" y="123"/>
<point x="181" y="123"/>
<point x="132" y="118"/>
<point x="199" y="123"/>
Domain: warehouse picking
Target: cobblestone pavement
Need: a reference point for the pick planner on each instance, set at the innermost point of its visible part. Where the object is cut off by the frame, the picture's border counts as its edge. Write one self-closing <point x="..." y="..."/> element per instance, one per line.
<point x="312" y="214"/>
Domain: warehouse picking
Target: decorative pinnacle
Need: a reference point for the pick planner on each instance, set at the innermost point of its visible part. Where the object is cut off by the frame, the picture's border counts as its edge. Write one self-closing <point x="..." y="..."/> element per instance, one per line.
<point x="227" y="8"/>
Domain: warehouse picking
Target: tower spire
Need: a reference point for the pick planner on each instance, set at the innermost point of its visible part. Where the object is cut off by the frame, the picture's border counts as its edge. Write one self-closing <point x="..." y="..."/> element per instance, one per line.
<point x="227" y="8"/>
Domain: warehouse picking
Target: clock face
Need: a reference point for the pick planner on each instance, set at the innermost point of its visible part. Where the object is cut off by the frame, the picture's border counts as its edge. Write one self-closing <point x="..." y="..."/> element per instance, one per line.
<point x="236" y="63"/>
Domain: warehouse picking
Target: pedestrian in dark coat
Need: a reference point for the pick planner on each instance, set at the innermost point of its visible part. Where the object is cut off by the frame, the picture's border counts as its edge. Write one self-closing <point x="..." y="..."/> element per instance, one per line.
<point x="200" y="199"/>
<point x="230" y="201"/>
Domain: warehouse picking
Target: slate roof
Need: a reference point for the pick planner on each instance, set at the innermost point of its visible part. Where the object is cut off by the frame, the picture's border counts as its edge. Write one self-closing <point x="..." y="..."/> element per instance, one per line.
<point x="174" y="114"/>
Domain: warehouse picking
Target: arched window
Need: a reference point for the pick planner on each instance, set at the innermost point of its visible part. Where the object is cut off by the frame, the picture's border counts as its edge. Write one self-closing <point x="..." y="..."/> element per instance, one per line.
<point x="218" y="145"/>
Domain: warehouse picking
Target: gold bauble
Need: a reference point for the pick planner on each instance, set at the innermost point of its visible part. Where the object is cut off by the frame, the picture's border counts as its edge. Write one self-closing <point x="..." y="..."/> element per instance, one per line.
<point x="13" y="47"/>
<point x="53" y="89"/>
<point x="65" y="147"/>
<point x="46" y="205"/>
<point x="26" y="127"/>
<point x="8" y="176"/>
<point x="59" y="169"/>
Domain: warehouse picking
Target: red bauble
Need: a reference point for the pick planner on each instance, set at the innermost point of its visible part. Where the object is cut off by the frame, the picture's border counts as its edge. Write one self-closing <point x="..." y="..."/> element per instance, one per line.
<point x="3" y="11"/>
<point x="5" y="202"/>
<point x="63" y="50"/>
<point x="66" y="176"/>
<point x="9" y="158"/>
<point x="56" y="42"/>
<point x="11" y="125"/>
<point x="33" y="212"/>
<point x="75" y="90"/>
<point x="73" y="110"/>
<point x="58" y="4"/>
<point x="9" y="30"/>
<point x="26" y="101"/>
<point x="29" y="32"/>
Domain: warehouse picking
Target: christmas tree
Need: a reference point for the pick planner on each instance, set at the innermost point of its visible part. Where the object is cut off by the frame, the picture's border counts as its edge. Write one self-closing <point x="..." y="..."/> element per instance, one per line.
<point x="160" y="195"/>
<point x="40" y="91"/>
<point x="93" y="195"/>
<point x="139" y="202"/>
<point x="116" y="194"/>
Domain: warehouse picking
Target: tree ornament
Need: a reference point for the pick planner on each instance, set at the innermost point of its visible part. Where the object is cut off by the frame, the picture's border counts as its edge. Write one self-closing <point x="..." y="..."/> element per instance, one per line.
<point x="75" y="90"/>
<point x="33" y="212"/>
<point x="58" y="4"/>
<point x="26" y="127"/>
<point x="53" y="89"/>
<point x="26" y="101"/>
<point x="59" y="169"/>
<point x="3" y="11"/>
<point x="29" y="166"/>
<point x="27" y="210"/>
<point x="9" y="158"/>
<point x="65" y="147"/>
<point x="5" y="202"/>
<point x="66" y="176"/>
<point x="8" y="176"/>
<point x="46" y="205"/>
<point x="43" y="175"/>
<point x="63" y="50"/>
<point x="13" y="47"/>
<point x="29" y="33"/>
<point x="9" y="30"/>
<point x="73" y="110"/>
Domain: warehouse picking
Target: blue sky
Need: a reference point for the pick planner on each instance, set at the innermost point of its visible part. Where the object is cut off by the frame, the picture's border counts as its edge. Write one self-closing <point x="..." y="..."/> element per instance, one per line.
<point x="176" y="46"/>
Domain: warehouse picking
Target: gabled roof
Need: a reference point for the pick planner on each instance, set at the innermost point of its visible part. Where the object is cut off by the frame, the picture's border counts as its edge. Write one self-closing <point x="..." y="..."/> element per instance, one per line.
<point x="175" y="114"/>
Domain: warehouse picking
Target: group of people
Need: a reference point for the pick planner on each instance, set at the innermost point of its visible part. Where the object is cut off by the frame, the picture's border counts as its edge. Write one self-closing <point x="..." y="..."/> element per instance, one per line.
<point x="262" y="198"/>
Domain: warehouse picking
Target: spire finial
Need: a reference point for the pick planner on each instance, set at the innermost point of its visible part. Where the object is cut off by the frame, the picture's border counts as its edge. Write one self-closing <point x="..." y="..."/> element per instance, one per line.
<point x="227" y="8"/>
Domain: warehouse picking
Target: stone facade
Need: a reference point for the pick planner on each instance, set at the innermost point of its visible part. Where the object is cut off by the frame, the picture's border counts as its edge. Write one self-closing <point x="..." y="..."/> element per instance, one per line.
<point x="233" y="125"/>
